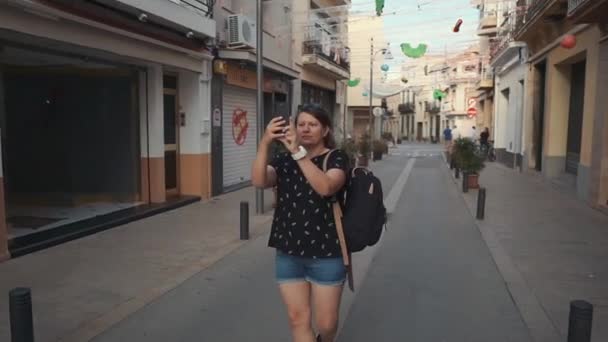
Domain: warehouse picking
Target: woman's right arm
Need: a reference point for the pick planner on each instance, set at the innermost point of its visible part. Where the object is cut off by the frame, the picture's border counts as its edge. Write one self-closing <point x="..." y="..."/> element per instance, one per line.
<point x="262" y="175"/>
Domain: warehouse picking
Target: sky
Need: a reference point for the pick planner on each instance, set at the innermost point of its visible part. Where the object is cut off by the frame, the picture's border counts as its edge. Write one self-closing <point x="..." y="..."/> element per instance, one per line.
<point x="422" y="21"/>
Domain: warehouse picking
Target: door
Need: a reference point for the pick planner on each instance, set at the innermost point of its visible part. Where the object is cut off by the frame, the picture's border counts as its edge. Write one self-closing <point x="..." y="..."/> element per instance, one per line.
<point x="171" y="135"/>
<point x="437" y="128"/>
<point x="419" y="134"/>
<point x="575" y="117"/>
<point x="539" y="122"/>
<point x="239" y="124"/>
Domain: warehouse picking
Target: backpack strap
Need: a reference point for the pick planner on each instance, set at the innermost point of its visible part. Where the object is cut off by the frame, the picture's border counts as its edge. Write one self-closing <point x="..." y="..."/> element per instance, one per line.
<point x="326" y="159"/>
<point x="338" y="220"/>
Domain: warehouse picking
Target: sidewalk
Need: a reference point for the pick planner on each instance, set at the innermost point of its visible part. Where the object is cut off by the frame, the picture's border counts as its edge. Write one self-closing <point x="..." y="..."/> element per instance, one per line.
<point x="550" y="248"/>
<point x="83" y="287"/>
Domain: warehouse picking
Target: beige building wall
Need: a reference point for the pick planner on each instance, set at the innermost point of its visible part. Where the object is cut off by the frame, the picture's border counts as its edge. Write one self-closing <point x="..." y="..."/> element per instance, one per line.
<point x="559" y="62"/>
<point x="360" y="32"/>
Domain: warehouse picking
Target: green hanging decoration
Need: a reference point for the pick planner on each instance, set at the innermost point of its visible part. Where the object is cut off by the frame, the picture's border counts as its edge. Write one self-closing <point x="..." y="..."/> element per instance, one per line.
<point x="354" y="83"/>
<point x="438" y="94"/>
<point x="379" y="7"/>
<point x="411" y="52"/>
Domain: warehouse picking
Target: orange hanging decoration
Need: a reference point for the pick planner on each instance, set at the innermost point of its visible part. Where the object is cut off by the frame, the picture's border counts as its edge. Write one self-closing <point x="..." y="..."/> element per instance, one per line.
<point x="569" y="41"/>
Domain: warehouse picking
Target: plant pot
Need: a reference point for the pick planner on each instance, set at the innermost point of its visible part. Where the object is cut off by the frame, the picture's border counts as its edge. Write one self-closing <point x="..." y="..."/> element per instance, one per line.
<point x="473" y="180"/>
<point x="377" y="155"/>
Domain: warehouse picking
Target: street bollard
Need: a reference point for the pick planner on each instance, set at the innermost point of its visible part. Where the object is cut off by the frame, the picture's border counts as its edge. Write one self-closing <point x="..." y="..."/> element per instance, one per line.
<point x="21" y="316"/>
<point x="481" y="204"/>
<point x="581" y="316"/>
<point x="244" y="220"/>
<point x="465" y="182"/>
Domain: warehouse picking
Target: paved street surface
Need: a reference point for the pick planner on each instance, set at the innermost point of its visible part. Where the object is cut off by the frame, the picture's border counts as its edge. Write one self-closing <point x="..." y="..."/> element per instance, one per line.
<point x="437" y="275"/>
<point x="234" y="300"/>
<point x="433" y="278"/>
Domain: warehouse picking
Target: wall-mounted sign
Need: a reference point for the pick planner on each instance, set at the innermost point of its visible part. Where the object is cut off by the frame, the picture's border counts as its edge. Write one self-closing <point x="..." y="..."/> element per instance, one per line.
<point x="217" y="117"/>
<point x="240" y="126"/>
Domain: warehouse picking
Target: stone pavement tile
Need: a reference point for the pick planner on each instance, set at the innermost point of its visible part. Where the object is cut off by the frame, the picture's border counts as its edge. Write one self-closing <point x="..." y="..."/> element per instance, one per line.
<point x="84" y="286"/>
<point x="557" y="244"/>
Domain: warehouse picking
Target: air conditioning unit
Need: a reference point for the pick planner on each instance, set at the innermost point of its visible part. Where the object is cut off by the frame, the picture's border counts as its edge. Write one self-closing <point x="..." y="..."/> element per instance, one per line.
<point x="241" y="32"/>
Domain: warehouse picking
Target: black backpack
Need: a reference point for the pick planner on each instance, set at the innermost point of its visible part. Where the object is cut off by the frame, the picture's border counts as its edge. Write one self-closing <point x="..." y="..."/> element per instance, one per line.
<point x="363" y="211"/>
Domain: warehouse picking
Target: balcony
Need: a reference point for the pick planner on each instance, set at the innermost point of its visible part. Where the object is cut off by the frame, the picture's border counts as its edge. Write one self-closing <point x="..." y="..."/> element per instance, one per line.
<point x="540" y="15"/>
<point x="407" y="108"/>
<point x="192" y="17"/>
<point x="331" y="3"/>
<point x="486" y="82"/>
<point x="432" y="107"/>
<point x="323" y="55"/>
<point x="487" y="25"/>
<point x="587" y="11"/>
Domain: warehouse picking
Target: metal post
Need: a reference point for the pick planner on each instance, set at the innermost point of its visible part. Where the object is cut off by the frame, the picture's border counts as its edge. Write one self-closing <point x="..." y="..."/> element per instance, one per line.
<point x="259" y="193"/>
<point x="481" y="204"/>
<point x="581" y="317"/>
<point x="21" y="316"/>
<point x="244" y="220"/>
<point x="371" y="92"/>
<point x="465" y="182"/>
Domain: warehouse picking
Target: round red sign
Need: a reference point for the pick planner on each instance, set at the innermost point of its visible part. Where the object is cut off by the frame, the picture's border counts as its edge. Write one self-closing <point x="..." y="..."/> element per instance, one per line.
<point x="239" y="126"/>
<point x="472" y="112"/>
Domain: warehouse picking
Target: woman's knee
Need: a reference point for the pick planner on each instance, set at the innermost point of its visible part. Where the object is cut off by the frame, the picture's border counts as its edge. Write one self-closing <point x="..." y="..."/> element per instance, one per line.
<point x="327" y="323"/>
<point x="299" y="317"/>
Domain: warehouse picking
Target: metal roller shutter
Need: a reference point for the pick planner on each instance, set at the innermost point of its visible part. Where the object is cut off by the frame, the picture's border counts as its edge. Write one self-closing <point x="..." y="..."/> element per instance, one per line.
<point x="238" y="158"/>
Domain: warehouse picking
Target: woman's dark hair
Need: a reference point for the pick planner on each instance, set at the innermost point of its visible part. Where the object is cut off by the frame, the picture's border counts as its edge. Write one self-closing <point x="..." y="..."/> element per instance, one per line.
<point x="320" y="114"/>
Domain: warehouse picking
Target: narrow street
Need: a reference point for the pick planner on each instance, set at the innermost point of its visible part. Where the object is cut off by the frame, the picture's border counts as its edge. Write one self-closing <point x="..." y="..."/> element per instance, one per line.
<point x="432" y="279"/>
<point x="132" y="139"/>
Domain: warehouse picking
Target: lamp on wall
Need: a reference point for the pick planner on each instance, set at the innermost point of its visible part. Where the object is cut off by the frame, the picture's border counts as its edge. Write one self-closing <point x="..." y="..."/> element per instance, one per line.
<point x="220" y="67"/>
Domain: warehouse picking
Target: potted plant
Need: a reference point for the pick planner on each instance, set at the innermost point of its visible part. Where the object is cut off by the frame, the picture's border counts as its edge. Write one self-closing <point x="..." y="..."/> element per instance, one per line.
<point x="364" y="150"/>
<point x="379" y="148"/>
<point x="350" y="148"/>
<point x="468" y="160"/>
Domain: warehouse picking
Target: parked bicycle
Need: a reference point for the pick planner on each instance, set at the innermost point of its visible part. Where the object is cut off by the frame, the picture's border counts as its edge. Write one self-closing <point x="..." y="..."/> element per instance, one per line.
<point x="487" y="151"/>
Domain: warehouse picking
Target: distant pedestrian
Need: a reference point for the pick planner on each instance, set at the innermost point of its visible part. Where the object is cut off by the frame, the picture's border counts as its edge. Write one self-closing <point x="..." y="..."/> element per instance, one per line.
<point x="308" y="263"/>
<point x="474" y="133"/>
<point x="447" y="137"/>
<point x="484" y="138"/>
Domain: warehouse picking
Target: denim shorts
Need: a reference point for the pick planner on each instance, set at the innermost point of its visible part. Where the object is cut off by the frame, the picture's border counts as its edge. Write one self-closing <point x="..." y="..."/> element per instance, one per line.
<point x="321" y="271"/>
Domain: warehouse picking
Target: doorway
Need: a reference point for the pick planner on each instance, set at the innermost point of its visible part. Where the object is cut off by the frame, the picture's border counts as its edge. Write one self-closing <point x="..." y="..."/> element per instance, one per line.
<point x="171" y="135"/>
<point x="575" y="117"/>
<point x="539" y="115"/>
<point x="419" y="133"/>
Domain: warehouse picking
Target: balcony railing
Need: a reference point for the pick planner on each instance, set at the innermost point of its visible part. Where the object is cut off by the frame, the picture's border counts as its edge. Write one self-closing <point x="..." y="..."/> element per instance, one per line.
<point x="432" y="107"/>
<point x="406" y="108"/>
<point x="204" y="7"/>
<point x="535" y="7"/>
<point x="318" y="41"/>
<point x="574" y="5"/>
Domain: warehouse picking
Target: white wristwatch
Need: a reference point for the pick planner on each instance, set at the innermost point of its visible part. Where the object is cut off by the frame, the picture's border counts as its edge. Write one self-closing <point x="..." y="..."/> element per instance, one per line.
<point x="300" y="154"/>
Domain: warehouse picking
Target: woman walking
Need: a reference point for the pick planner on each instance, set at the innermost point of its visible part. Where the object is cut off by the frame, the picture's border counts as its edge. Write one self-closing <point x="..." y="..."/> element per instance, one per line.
<point x="308" y="264"/>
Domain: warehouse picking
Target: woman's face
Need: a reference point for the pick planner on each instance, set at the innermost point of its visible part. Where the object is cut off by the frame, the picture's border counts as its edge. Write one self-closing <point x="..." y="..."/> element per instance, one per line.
<point x="309" y="130"/>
